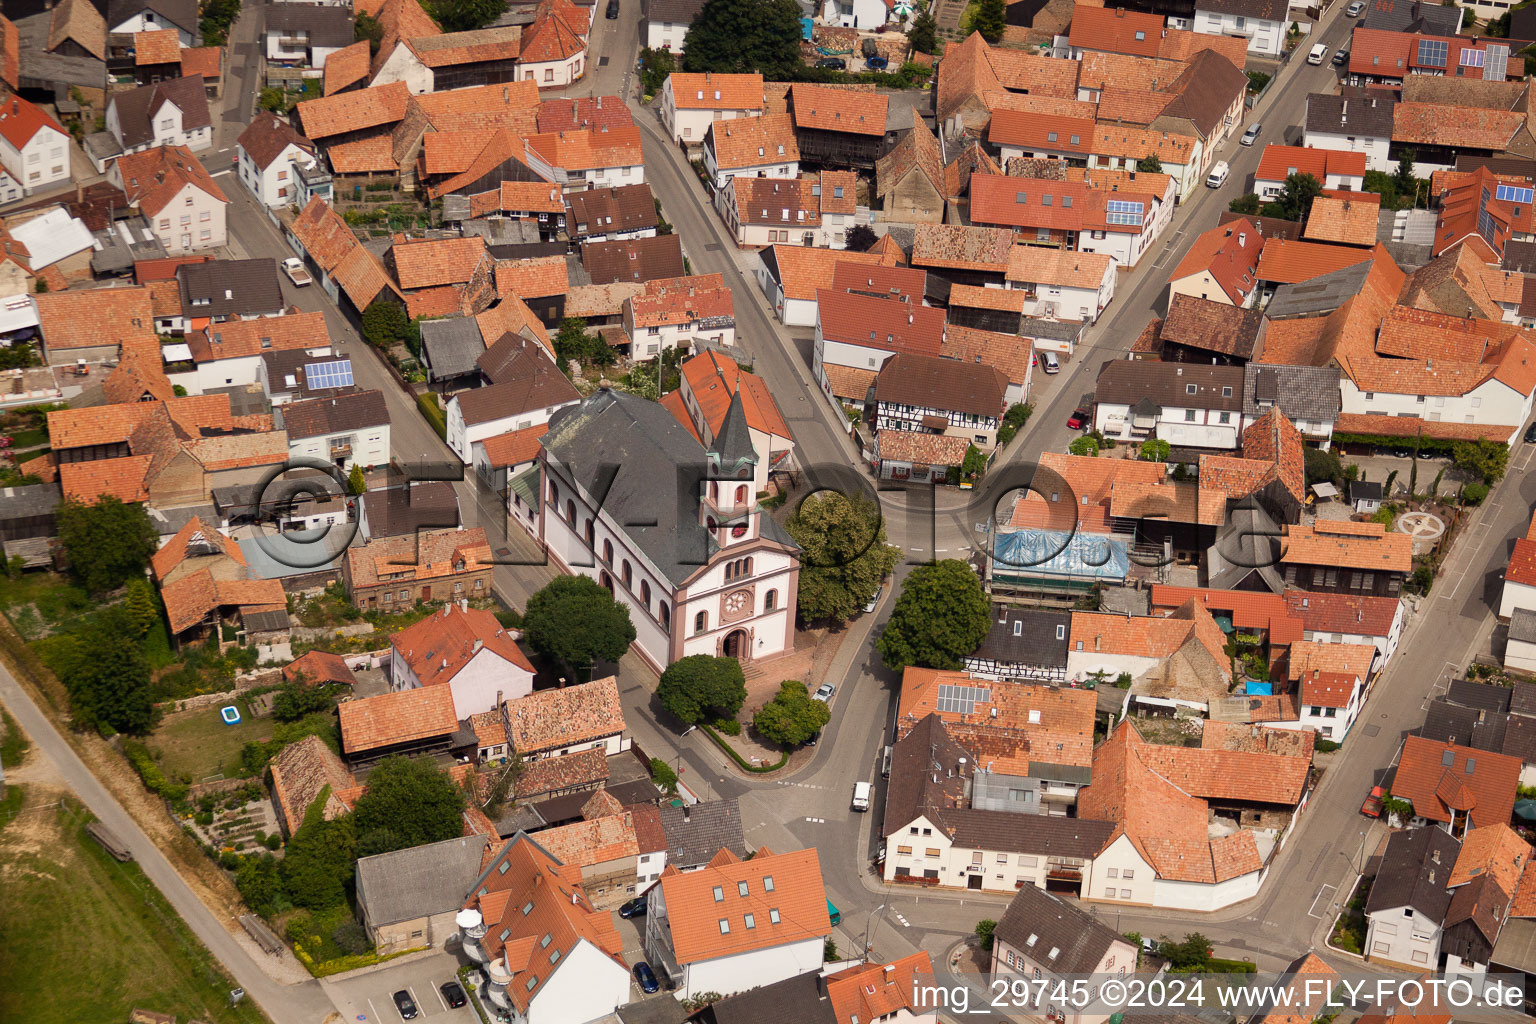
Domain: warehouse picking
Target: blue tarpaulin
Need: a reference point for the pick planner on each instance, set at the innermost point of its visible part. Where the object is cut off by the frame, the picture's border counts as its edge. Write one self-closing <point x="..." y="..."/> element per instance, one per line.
<point x="1037" y="553"/>
<point x="805" y="29"/>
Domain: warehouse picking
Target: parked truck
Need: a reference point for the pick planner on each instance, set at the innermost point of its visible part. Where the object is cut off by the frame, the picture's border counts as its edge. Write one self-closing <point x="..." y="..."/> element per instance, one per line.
<point x="861" y="796"/>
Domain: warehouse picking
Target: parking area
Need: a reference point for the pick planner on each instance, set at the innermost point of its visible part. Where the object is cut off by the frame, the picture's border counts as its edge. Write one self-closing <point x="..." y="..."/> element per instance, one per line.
<point x="368" y="998"/>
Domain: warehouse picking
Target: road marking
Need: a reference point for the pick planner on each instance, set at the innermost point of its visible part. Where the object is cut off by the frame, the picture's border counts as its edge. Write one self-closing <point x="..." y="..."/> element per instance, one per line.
<point x="412" y="990"/>
<point x="1312" y="911"/>
<point x="440" y="999"/>
<point x="897" y="914"/>
<point x="226" y="170"/>
<point x="374" y="1009"/>
<point x="817" y="821"/>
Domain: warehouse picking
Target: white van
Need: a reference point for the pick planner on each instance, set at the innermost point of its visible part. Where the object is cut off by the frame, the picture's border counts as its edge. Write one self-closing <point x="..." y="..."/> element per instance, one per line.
<point x="1218" y="175"/>
<point x="861" y="791"/>
<point x="1049" y="363"/>
<point x="1318" y="55"/>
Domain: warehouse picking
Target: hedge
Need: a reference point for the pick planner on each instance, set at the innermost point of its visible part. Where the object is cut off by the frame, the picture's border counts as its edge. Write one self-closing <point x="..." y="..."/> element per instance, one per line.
<point x="1425" y="444"/>
<point x="742" y="762"/>
<point x="341" y="964"/>
<point x="427" y="403"/>
<point x="154" y="779"/>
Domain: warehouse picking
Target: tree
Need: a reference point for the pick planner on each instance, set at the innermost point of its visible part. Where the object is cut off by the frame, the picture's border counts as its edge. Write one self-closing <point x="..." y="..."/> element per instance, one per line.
<point x="1295" y="200"/>
<point x="410" y="800"/>
<point x="573" y="342"/>
<point x="663" y="775"/>
<point x="984" y="929"/>
<point x="107" y="543"/>
<point x="923" y="33"/>
<point x="261" y="884"/>
<point x="990" y="20"/>
<point x="356" y="483"/>
<point x="1013" y="421"/>
<point x="974" y="463"/>
<point x="274" y="100"/>
<point x="1322" y="466"/>
<point x="1155" y="450"/>
<point x="1087" y="445"/>
<point x="792" y="717"/>
<point x="384" y="323"/>
<point x="702" y="686"/>
<point x="843" y="556"/>
<point x="466" y="15"/>
<point x="1484" y="459"/>
<point x="1384" y="185"/>
<point x="366" y="26"/>
<point x="655" y="66"/>
<point x="743" y="36"/>
<point x="860" y="238"/>
<point x="941" y="616"/>
<point x="294" y="700"/>
<point x="1407" y="184"/>
<point x="317" y="865"/>
<point x="141" y="606"/>
<point x="578" y="622"/>
<point x="1150" y="163"/>
<point x="1249" y="205"/>
<point x="110" y="684"/>
<point x="1193" y="952"/>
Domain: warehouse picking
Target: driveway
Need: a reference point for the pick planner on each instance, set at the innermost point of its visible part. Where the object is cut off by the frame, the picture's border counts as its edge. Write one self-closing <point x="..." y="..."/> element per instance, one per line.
<point x="368" y="997"/>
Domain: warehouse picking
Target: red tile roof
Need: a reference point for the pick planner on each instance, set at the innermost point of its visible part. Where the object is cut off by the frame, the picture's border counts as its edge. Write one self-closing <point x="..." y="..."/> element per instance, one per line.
<point x="1230" y="253"/>
<point x="404" y="716"/>
<point x="566" y="717"/>
<point x="838" y="110"/>
<point x="880" y="323"/>
<point x="320" y="667"/>
<point x="354" y="111"/>
<point x="1279" y="162"/>
<point x="153" y="178"/>
<point x="1042" y="132"/>
<point x="716" y="91"/>
<point x="1438" y="778"/>
<point x="439" y="646"/>
<point x="515" y="447"/>
<point x="1349" y="614"/>
<point x="1116" y="31"/>
<point x="753" y="141"/>
<point x="1285" y="261"/>
<point x="21" y="120"/>
<point x="429" y="263"/>
<point x="157" y="46"/>
<point x="713" y="380"/>
<point x="1249" y="611"/>
<point x="871" y="991"/>
<point x="704" y="927"/>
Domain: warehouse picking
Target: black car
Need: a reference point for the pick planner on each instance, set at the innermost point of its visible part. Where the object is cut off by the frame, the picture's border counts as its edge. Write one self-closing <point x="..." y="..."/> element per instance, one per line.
<point x="634" y="908"/>
<point x="1530" y="434"/>
<point x="647" y="978"/>
<point x="612" y="13"/>
<point x="832" y="62"/>
<point x="405" y="1004"/>
<point x="453" y="994"/>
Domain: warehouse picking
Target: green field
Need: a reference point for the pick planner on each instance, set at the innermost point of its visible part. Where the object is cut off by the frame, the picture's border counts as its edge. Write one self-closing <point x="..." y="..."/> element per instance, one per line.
<point x="198" y="744"/>
<point x="84" y="938"/>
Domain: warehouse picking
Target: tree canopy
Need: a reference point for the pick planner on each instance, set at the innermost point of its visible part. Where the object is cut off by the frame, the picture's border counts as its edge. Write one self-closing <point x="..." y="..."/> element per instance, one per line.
<point x="294" y="700"/>
<point x="317" y="863"/>
<point x="742" y="36"/>
<point x="1295" y="200"/>
<point x="573" y="342"/>
<point x="411" y="801"/>
<point x="844" y="555"/>
<point x="990" y="20"/>
<point x="941" y="616"/>
<point x="923" y="32"/>
<point x="108" y="543"/>
<point x="466" y="15"/>
<point x="109" y="683"/>
<point x="792" y="717"/>
<point x="655" y="66"/>
<point x="1248" y="205"/>
<point x="860" y="237"/>
<point x="1087" y="445"/>
<point x="577" y="621"/>
<point x="1486" y="459"/>
<point x="702" y="686"/>
<point x="1150" y="164"/>
<point x="1155" y="449"/>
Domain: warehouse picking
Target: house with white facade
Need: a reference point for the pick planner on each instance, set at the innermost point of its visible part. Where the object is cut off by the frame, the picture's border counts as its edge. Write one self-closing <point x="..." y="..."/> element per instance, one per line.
<point x="1059" y="284"/>
<point x="1331" y="681"/>
<point x="1350" y="619"/>
<point x="170" y="113"/>
<point x="269" y="154"/>
<point x="1018" y="133"/>
<point x="1332" y="168"/>
<point x="585" y="158"/>
<point x="1220" y="265"/>
<point x="753" y="147"/>
<point x="1043" y="938"/>
<point x="177" y="197"/>
<point x="789" y="275"/>
<point x="521" y="899"/>
<point x="130" y="17"/>
<point x="1185" y="404"/>
<point x="1263" y="22"/>
<point x="346" y="430"/>
<point x="710" y="382"/>
<point x="664" y="24"/>
<point x="676" y="313"/>
<point x="770" y="211"/>
<point x="856" y="334"/>
<point x="1122" y="220"/>
<point x="1355" y="121"/>
<point x="676" y="536"/>
<point x="690" y="103"/>
<point x="466" y="650"/>
<point x="864" y="14"/>
<point x="230" y="355"/>
<point x="553" y="50"/>
<point x="1409" y="900"/>
<point x="738" y="924"/>
<point x="34" y="147"/>
<point x="523" y="388"/>
<point x="568" y="720"/>
<point x="611" y="214"/>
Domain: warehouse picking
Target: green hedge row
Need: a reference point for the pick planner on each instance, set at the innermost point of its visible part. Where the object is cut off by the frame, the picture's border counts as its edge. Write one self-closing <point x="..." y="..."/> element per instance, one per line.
<point x="154" y="779"/>
<point x="427" y="403"/>
<point x="745" y="765"/>
<point x="1425" y="444"/>
<point x="325" y="968"/>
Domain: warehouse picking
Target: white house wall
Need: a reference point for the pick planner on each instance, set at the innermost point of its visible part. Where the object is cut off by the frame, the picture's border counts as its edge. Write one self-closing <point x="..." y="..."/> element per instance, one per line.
<point x="728" y="975"/>
<point x="1489" y="403"/>
<point x="1374" y="147"/>
<point x="587" y="984"/>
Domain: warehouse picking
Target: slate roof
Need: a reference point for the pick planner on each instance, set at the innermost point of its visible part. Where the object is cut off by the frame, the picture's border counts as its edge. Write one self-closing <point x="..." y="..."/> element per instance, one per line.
<point x="329" y="27"/>
<point x="268" y="135"/>
<point x="695" y="834"/>
<point x="1322" y="294"/>
<point x="638" y="259"/>
<point x="1414" y="872"/>
<point x="451" y="345"/>
<point x="524" y="380"/>
<point x="796" y="1000"/>
<point x="1483" y="696"/>
<point x="137" y="108"/>
<point x="1353" y="113"/>
<point x="1040" y="924"/>
<point x="419" y="881"/>
<point x="1309" y="393"/>
<point x="608" y="210"/>
<point x="181" y="13"/>
<point x="1126" y="382"/>
<point x="1026" y="636"/>
<point x="402" y="511"/>
<point x="230" y="288"/>
<point x="335" y="415"/>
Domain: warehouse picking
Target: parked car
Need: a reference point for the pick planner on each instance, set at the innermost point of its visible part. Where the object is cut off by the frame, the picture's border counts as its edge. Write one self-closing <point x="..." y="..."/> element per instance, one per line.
<point x="1218" y="175"/>
<point x="1530" y="433"/>
<point x="646" y="977"/>
<point x="405" y="1004"/>
<point x="877" y="63"/>
<point x="453" y="994"/>
<point x="1341" y="58"/>
<point x="633" y="908"/>
<point x="1079" y="418"/>
<point x="869" y="605"/>
<point x="824" y="693"/>
<point x="1318" y="55"/>
<point x="1372" y="806"/>
<point x="612" y="13"/>
<point x="1251" y="135"/>
<point x="294" y="268"/>
<point x="1354" y="10"/>
<point x="833" y="62"/>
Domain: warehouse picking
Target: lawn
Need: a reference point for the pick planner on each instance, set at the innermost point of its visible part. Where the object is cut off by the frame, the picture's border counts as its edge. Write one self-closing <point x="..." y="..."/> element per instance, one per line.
<point x="84" y="938"/>
<point x="197" y="744"/>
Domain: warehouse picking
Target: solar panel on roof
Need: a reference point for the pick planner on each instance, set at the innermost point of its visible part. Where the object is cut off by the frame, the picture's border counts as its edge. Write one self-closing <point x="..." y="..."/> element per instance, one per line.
<point x="334" y="374"/>
<point x="1515" y="194"/>
<point x="1433" y="52"/>
<point x="961" y="700"/>
<point x="1120" y="211"/>
<point x="1498" y="63"/>
<point x="1471" y="58"/>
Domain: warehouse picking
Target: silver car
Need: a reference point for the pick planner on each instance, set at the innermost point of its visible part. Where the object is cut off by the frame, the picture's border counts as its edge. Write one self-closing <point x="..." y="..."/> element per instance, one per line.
<point x="824" y="693"/>
<point x="1354" y="9"/>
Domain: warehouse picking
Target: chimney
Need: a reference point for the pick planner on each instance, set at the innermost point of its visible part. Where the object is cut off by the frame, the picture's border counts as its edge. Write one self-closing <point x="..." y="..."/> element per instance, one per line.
<point x="890" y="974"/>
<point x="478" y="645"/>
<point x="1242" y="239"/>
<point x="687" y="812"/>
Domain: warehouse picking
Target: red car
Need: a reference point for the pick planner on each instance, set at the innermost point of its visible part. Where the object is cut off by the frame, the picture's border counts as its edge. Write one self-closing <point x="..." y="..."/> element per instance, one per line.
<point x="1078" y="420"/>
<point x="1372" y="806"/>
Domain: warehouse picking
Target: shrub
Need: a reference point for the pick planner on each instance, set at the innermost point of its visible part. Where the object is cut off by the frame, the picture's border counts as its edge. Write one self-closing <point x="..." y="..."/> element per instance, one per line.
<point x="149" y="772"/>
<point x="349" y="935"/>
<point x="663" y="775"/>
<point x="729" y="726"/>
<point x="1473" y="494"/>
<point x="1326" y="746"/>
<point x="229" y="860"/>
<point x="984" y="930"/>
<point x="272" y="841"/>
<point x="430" y="408"/>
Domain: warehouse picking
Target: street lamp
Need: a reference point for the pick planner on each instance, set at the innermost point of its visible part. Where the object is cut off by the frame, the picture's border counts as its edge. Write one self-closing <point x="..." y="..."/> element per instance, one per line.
<point x="867" y="923"/>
